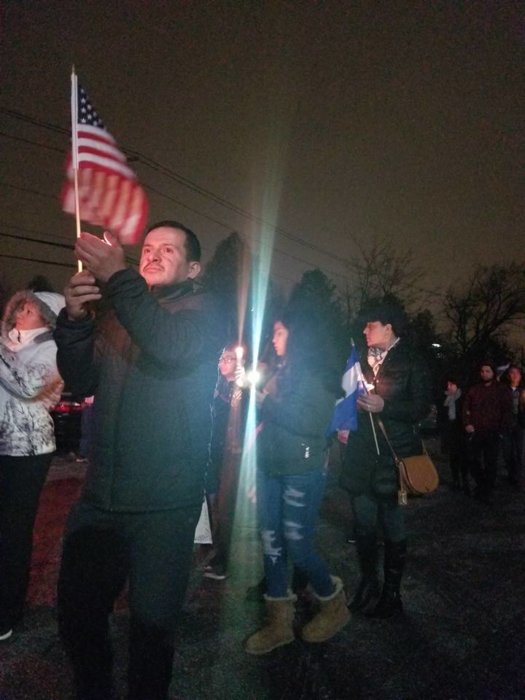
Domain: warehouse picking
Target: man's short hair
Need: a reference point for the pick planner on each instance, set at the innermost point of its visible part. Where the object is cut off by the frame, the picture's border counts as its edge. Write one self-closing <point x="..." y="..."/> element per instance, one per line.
<point x="192" y="245"/>
<point x="385" y="312"/>
<point x="491" y="364"/>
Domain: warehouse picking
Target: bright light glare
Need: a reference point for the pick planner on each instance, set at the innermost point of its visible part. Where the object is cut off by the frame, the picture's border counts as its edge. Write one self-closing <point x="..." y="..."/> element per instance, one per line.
<point x="253" y="376"/>
<point x="272" y="164"/>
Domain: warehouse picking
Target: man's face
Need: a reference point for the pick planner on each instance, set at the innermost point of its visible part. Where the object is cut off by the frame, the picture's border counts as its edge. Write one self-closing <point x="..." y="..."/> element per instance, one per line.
<point x="163" y="259"/>
<point x="514" y="376"/>
<point x="378" y="335"/>
<point x="486" y="373"/>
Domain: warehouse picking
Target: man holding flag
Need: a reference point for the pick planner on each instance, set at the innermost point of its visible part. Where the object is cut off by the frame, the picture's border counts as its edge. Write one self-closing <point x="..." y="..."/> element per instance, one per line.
<point x="150" y="360"/>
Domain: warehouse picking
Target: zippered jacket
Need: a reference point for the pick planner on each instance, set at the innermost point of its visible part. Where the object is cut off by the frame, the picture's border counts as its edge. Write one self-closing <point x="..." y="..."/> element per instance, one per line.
<point x="403" y="381"/>
<point x="151" y="364"/>
<point x="294" y="419"/>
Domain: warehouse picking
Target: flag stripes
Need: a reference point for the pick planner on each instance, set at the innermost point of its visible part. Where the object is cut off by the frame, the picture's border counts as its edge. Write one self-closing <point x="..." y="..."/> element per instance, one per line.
<point x="109" y="192"/>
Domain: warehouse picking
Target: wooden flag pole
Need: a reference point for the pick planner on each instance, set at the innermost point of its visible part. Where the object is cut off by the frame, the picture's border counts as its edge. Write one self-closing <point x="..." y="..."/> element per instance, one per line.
<point x="74" y="151"/>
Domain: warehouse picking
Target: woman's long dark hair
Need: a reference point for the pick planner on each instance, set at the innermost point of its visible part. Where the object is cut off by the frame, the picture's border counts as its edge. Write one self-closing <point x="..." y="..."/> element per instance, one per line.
<point x="310" y="348"/>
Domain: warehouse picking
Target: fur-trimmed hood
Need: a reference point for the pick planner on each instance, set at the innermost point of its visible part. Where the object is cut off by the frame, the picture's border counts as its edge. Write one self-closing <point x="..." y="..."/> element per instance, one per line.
<point x="49" y="304"/>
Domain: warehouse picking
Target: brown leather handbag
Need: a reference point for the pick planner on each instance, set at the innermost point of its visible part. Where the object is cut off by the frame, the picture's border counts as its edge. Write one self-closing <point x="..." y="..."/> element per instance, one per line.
<point x="417" y="474"/>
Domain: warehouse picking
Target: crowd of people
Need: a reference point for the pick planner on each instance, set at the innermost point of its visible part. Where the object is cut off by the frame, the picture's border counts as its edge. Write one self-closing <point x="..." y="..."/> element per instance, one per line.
<point x="483" y="426"/>
<point x="169" y="421"/>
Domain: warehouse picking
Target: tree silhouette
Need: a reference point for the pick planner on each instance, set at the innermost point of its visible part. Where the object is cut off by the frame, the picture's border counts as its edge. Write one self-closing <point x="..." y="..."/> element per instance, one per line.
<point x="490" y="304"/>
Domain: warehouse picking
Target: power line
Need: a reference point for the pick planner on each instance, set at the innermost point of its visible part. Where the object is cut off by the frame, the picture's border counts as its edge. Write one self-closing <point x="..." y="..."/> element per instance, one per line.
<point x="186" y="182"/>
<point x="229" y="228"/>
<point x="34" y="231"/>
<point x="69" y="247"/>
<point x="35" y="260"/>
<point x="186" y="206"/>
<point x="194" y="187"/>
<point x="32" y="143"/>
<point x="27" y="189"/>
<point x="37" y="240"/>
<point x="33" y="120"/>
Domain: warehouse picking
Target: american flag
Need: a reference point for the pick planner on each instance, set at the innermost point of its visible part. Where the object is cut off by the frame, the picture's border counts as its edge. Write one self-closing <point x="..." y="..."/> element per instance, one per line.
<point x="108" y="190"/>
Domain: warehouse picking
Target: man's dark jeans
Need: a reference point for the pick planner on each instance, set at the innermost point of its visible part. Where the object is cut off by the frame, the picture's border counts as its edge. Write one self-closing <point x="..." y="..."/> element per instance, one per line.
<point x="102" y="551"/>
<point x="483" y="457"/>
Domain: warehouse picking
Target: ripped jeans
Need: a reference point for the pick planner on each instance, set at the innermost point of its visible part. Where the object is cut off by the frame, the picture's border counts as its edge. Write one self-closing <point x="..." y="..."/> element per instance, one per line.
<point x="287" y="509"/>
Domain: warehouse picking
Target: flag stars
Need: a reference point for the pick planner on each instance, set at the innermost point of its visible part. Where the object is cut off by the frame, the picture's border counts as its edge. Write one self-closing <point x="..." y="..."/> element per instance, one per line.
<point x="87" y="113"/>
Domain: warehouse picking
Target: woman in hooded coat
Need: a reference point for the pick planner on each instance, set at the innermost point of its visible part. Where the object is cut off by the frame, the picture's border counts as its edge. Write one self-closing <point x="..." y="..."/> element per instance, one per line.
<point x="29" y="387"/>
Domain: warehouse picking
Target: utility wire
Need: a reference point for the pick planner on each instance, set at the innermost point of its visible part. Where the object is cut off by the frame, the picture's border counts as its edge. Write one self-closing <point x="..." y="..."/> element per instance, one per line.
<point x="36" y="260"/>
<point x="136" y="155"/>
<point x="69" y="247"/>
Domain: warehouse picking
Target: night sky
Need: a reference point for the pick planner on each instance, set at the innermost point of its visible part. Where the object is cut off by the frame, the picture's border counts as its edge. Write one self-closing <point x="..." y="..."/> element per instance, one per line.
<point x="339" y="123"/>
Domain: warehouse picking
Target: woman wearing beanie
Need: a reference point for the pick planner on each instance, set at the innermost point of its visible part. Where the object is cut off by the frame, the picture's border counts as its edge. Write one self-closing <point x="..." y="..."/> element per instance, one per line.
<point x="29" y="387"/>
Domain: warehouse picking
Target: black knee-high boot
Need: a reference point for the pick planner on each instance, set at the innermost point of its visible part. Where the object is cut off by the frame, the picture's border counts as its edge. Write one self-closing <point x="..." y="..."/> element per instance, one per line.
<point x="390" y="602"/>
<point x="368" y="589"/>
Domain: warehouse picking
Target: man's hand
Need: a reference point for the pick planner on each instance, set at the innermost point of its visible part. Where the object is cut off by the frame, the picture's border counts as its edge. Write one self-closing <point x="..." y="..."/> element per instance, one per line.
<point x="101" y="257"/>
<point x="372" y="403"/>
<point x="80" y="290"/>
<point x="470" y="429"/>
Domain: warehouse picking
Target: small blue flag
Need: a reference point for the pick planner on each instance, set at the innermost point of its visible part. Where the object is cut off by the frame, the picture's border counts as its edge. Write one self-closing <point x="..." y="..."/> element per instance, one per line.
<point x="344" y="416"/>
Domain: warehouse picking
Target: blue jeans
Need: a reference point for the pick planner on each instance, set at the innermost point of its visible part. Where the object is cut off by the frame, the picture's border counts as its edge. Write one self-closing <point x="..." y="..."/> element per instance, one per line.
<point x="287" y="508"/>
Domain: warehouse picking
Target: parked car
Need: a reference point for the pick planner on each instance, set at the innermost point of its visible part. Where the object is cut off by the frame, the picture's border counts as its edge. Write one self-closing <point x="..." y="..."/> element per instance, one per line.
<point x="66" y="416"/>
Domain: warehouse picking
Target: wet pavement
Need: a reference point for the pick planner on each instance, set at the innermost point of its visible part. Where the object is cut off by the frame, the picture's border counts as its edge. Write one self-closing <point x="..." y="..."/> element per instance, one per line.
<point x="462" y="634"/>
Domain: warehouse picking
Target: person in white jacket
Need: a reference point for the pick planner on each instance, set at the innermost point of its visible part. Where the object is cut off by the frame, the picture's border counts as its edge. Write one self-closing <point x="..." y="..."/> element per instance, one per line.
<point x="30" y="386"/>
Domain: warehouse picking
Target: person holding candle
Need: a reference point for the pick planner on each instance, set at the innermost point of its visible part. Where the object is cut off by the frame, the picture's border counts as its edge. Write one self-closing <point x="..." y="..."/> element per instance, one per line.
<point x="294" y="408"/>
<point x="222" y="480"/>
<point x="400" y="395"/>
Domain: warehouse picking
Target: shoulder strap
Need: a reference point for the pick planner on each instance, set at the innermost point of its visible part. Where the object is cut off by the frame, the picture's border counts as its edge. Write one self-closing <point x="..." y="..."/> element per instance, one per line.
<point x="390" y="446"/>
<point x="402" y="491"/>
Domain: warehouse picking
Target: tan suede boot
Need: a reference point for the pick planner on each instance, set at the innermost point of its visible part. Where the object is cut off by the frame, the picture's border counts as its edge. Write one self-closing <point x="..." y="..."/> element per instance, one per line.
<point x="331" y="618"/>
<point x="278" y="630"/>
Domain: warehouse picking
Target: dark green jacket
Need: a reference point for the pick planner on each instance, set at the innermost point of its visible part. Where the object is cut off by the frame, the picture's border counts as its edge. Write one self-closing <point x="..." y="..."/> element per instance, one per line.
<point x="403" y="381"/>
<point x="151" y="363"/>
<point x="295" y="417"/>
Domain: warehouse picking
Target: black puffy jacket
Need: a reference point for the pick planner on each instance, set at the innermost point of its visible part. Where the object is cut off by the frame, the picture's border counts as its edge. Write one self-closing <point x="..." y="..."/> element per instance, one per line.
<point x="151" y="363"/>
<point x="295" y="416"/>
<point x="403" y="381"/>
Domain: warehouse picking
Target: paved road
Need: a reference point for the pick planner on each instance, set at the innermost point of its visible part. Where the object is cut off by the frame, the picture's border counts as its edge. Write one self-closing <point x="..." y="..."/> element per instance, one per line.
<point x="462" y="635"/>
